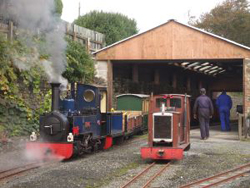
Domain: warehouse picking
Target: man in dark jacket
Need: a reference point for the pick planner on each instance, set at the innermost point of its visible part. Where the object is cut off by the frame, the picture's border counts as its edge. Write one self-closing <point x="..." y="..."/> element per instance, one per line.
<point x="203" y="108"/>
<point x="224" y="104"/>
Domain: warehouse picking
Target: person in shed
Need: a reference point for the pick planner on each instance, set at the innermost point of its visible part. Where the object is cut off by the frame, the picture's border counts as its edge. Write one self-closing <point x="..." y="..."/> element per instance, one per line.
<point x="203" y="109"/>
<point x="224" y="105"/>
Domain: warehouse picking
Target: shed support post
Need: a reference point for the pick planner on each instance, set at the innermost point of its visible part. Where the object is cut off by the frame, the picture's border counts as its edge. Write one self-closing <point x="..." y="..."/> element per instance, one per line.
<point x="189" y="83"/>
<point x="156" y="76"/>
<point x="174" y="81"/>
<point x="110" y="85"/>
<point x="200" y="84"/>
<point x="135" y="75"/>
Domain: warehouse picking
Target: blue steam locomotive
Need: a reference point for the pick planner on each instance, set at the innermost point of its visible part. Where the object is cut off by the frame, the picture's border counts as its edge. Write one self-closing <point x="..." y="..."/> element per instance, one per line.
<point x="78" y="123"/>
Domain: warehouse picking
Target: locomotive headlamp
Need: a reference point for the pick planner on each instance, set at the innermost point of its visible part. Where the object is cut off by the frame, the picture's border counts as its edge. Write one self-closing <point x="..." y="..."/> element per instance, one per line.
<point x="89" y="95"/>
<point x="70" y="137"/>
<point x="33" y="137"/>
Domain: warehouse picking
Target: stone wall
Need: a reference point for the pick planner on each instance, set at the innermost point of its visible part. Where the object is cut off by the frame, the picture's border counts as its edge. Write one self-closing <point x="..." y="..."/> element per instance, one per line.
<point x="101" y="68"/>
<point x="246" y="85"/>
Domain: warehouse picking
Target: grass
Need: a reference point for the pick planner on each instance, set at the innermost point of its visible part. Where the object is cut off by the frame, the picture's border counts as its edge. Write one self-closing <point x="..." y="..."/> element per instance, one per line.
<point x="141" y="136"/>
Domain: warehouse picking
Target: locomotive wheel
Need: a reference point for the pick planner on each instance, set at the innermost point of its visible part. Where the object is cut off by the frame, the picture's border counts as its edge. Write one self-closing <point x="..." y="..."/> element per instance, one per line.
<point x="95" y="147"/>
<point x="101" y="145"/>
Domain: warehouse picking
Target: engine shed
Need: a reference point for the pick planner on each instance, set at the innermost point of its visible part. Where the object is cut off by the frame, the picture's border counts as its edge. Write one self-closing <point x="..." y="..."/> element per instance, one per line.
<point x="175" y="58"/>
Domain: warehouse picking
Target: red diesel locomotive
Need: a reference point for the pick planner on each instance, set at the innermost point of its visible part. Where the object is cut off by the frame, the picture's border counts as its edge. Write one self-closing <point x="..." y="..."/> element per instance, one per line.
<point x="168" y="127"/>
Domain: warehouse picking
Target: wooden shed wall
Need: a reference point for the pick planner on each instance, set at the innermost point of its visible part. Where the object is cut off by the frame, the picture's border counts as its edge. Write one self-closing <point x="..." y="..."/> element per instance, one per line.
<point x="173" y="41"/>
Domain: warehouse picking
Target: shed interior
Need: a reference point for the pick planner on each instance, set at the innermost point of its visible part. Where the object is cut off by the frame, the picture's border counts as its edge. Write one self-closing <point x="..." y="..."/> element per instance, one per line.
<point x="178" y="76"/>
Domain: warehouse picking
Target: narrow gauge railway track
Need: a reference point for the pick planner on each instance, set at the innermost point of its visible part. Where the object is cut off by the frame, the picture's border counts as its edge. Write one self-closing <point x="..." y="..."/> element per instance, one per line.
<point x="18" y="170"/>
<point x="221" y="178"/>
<point x="132" y="141"/>
<point x="157" y="170"/>
<point x="137" y="140"/>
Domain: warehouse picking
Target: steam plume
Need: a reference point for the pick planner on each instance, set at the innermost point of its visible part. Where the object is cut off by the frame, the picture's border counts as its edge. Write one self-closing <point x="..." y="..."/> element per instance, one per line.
<point x="34" y="16"/>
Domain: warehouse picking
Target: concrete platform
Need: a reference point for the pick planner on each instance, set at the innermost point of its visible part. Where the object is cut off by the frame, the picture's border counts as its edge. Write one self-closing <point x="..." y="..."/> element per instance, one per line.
<point x="216" y="133"/>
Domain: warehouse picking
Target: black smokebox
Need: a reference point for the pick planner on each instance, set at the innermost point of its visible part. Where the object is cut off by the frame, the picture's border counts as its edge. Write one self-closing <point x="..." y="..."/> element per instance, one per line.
<point x="55" y="96"/>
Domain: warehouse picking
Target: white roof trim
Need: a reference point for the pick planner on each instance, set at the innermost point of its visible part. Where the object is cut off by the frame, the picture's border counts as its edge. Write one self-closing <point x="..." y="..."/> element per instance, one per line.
<point x="175" y="94"/>
<point x="192" y="27"/>
<point x="136" y="95"/>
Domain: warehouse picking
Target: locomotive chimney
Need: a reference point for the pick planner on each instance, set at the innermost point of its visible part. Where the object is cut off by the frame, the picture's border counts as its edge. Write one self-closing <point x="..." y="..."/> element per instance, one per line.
<point x="55" y="96"/>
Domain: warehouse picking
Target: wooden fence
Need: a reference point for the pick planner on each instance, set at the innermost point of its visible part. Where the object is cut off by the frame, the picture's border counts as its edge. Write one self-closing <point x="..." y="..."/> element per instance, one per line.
<point x="7" y="29"/>
<point x="92" y="40"/>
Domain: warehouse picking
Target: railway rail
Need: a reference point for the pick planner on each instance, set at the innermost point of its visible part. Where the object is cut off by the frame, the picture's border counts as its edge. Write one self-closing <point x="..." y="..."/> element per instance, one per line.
<point x="221" y="178"/>
<point x="159" y="169"/>
<point x="5" y="174"/>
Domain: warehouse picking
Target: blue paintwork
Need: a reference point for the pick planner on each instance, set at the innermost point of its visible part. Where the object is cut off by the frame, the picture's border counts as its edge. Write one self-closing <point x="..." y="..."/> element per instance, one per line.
<point x="68" y="105"/>
<point x="114" y="123"/>
<point x="83" y="111"/>
<point x="81" y="103"/>
<point x="94" y="128"/>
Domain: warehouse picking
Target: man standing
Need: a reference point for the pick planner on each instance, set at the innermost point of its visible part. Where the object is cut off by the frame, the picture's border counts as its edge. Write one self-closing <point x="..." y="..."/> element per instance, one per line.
<point x="203" y="107"/>
<point x="224" y="104"/>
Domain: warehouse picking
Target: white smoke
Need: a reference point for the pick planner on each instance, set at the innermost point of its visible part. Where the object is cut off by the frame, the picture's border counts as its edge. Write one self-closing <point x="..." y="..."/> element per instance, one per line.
<point x="34" y="16"/>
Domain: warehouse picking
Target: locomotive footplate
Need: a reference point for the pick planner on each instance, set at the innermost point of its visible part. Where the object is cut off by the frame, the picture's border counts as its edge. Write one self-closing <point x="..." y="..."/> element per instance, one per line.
<point x="162" y="153"/>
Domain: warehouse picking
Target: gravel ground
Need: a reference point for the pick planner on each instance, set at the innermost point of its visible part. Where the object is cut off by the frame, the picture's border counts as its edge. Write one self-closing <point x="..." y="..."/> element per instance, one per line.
<point x="114" y="167"/>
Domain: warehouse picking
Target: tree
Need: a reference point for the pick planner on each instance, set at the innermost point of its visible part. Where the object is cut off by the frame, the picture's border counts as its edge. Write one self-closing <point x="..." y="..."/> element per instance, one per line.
<point x="231" y="20"/>
<point x="80" y="66"/>
<point x="58" y="7"/>
<point x="115" y="26"/>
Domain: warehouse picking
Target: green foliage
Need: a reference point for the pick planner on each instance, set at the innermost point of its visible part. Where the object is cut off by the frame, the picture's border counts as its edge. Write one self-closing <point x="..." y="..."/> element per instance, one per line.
<point x="115" y="26"/>
<point x="80" y="66"/>
<point x="231" y="20"/>
<point x="21" y="99"/>
<point x="58" y="7"/>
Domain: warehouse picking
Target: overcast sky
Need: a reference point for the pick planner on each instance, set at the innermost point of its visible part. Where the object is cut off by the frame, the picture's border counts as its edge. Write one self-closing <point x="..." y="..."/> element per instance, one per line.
<point x="147" y="13"/>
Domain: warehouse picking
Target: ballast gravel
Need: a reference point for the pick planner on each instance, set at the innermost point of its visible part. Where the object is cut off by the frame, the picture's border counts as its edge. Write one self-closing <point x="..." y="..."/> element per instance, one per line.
<point x="116" y="166"/>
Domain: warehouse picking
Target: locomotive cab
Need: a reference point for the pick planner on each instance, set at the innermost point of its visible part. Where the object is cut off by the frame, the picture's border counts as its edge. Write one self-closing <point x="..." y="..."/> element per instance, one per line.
<point x="169" y="126"/>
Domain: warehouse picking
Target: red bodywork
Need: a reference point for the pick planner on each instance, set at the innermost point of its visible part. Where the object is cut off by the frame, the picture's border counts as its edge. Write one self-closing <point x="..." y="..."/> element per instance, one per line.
<point x="180" y="133"/>
<point x="108" y="142"/>
<point x="161" y="153"/>
<point x="42" y="150"/>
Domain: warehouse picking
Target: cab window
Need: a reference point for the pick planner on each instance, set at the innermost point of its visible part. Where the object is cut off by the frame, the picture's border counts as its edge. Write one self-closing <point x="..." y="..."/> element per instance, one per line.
<point x="159" y="102"/>
<point x="175" y="103"/>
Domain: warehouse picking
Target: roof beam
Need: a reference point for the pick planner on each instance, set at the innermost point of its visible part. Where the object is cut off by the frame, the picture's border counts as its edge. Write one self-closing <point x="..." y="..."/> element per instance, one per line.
<point x="212" y="68"/>
<point x="219" y="72"/>
<point x="214" y="71"/>
<point x="184" y="64"/>
<point x="192" y="65"/>
<point x="204" y="68"/>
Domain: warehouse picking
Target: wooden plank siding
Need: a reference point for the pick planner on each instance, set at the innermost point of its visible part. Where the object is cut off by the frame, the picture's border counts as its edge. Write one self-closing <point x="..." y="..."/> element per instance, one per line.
<point x="92" y="40"/>
<point x="173" y="41"/>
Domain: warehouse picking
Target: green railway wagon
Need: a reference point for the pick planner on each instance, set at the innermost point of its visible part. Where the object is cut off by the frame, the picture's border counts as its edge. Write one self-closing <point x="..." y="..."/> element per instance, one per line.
<point x="134" y="104"/>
